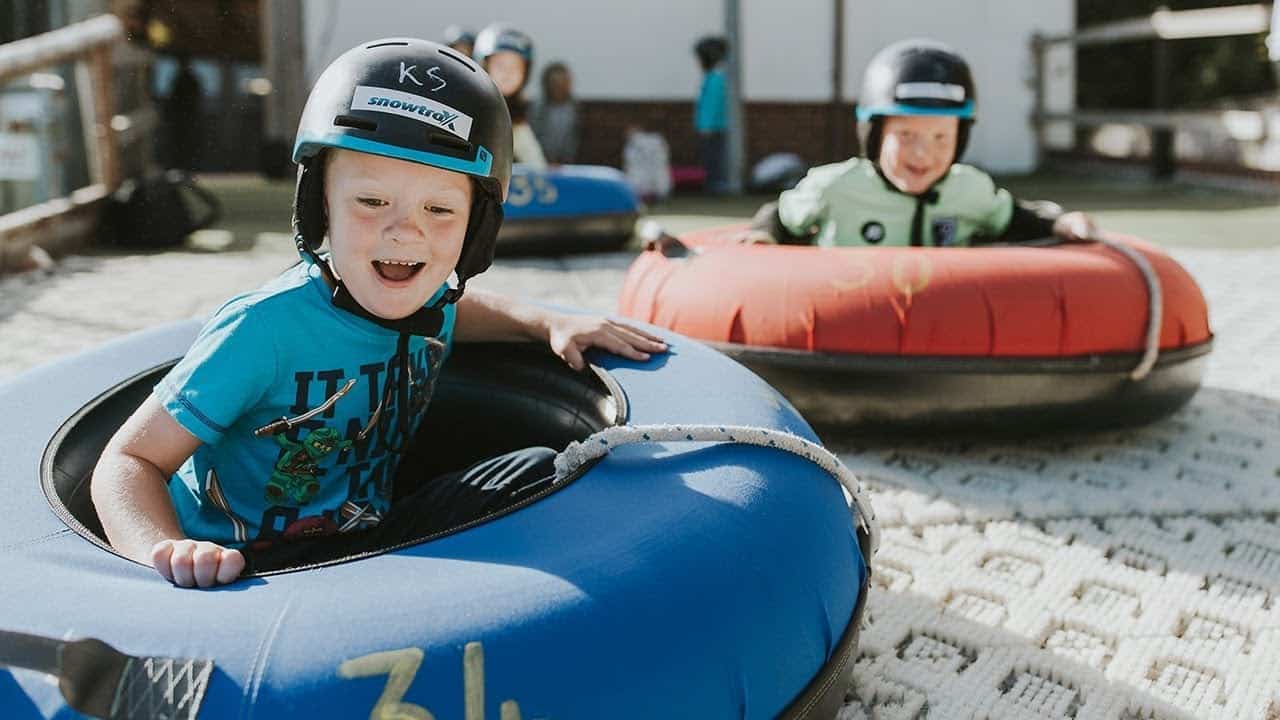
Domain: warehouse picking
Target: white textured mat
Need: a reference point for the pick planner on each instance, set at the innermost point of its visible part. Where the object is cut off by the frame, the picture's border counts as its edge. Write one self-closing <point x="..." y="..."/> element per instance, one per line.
<point x="1127" y="575"/>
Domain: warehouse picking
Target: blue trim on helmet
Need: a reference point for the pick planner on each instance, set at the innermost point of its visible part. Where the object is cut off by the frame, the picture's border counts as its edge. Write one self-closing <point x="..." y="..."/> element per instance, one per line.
<point x="961" y="111"/>
<point x="481" y="166"/>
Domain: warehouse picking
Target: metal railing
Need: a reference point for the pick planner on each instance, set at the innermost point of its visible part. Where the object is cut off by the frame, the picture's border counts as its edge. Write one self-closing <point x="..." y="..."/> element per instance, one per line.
<point x="1162" y="26"/>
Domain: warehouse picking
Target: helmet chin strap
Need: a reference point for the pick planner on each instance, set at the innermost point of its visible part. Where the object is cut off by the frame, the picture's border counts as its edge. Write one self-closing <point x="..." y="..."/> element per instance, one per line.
<point x="424" y="322"/>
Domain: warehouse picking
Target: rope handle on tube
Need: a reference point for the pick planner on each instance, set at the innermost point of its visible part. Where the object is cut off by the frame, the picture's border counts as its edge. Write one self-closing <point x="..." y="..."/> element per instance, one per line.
<point x="1155" y="297"/>
<point x="601" y="443"/>
<point x="1155" y="305"/>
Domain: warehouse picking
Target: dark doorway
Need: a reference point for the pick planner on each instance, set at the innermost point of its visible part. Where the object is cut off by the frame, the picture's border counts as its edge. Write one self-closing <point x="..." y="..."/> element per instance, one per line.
<point x="207" y="80"/>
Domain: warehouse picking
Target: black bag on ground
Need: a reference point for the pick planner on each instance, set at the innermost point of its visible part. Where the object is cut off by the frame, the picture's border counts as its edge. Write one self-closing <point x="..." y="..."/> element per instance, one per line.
<point x="158" y="211"/>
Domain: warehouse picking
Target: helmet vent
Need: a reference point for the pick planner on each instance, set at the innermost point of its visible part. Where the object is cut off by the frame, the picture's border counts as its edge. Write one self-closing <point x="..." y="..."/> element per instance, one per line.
<point x="358" y="123"/>
<point x="385" y="44"/>
<point x="467" y="65"/>
<point x="450" y="142"/>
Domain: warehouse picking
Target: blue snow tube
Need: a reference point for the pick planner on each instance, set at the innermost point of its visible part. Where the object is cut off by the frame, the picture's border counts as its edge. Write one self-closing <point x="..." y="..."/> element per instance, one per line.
<point x="567" y="208"/>
<point x="681" y="579"/>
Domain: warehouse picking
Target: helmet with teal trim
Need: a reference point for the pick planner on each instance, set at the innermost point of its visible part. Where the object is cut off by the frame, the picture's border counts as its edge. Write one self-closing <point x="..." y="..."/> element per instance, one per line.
<point x="413" y="100"/>
<point x="915" y="77"/>
<point x="497" y="37"/>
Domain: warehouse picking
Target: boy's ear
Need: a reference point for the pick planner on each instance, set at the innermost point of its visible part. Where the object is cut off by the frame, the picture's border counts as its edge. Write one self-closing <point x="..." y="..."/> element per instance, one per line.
<point x="310" y="216"/>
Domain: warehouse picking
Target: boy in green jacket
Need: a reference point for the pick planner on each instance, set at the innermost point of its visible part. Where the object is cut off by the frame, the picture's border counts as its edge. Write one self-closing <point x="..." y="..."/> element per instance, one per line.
<point x="917" y="105"/>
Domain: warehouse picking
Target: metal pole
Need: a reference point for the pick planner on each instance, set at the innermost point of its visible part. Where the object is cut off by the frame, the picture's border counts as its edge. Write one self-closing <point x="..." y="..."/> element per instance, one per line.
<point x="837" y="119"/>
<point x="1162" y="160"/>
<point x="1037" y="95"/>
<point x="732" y="26"/>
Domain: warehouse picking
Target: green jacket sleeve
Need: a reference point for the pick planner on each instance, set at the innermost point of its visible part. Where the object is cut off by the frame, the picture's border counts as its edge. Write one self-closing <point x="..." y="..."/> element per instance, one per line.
<point x="805" y="205"/>
<point x="994" y="205"/>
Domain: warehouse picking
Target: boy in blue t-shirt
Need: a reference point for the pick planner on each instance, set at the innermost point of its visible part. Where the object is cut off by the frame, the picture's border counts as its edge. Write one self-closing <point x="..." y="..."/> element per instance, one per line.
<point x="288" y="416"/>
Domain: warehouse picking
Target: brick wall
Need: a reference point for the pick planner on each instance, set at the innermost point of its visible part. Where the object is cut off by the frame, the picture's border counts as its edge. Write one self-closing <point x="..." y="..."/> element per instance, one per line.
<point x="815" y="131"/>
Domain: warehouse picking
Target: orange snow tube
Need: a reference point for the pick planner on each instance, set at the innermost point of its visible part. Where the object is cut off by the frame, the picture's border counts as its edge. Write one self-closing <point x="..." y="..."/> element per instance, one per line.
<point x="954" y="338"/>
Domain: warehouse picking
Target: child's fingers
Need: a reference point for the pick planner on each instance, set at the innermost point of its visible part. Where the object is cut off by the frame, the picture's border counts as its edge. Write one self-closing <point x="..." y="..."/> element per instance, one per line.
<point x="160" y="554"/>
<point x="617" y="344"/>
<point x="231" y="566"/>
<point x="204" y="564"/>
<point x="572" y="356"/>
<point x="632" y="329"/>
<point x="182" y="564"/>
<point x="638" y="338"/>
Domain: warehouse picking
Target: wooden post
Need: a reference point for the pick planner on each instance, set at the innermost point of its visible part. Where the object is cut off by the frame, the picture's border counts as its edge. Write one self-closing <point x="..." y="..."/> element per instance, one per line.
<point x="103" y="110"/>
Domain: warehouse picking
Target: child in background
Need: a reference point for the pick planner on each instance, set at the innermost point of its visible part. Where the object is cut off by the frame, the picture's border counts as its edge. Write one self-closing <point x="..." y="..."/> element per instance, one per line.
<point x="711" y="113"/>
<point x="646" y="164"/>
<point x="555" y="118"/>
<point x="460" y="39"/>
<point x="507" y="55"/>
<point x="916" y="110"/>
<point x="283" y="427"/>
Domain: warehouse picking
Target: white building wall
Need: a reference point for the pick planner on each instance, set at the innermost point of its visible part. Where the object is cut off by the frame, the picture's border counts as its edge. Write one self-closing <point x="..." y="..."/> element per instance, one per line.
<point x="616" y="50"/>
<point x="788" y="49"/>
<point x="627" y="50"/>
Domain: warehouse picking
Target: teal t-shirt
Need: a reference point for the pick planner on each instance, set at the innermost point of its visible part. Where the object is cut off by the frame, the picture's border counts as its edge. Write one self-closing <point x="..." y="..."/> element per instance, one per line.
<point x="851" y="204"/>
<point x="711" y="111"/>
<point x="281" y="351"/>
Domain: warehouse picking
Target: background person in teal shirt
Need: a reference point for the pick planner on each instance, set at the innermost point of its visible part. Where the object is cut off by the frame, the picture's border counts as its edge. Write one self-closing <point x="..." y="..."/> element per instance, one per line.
<point x="711" y="113"/>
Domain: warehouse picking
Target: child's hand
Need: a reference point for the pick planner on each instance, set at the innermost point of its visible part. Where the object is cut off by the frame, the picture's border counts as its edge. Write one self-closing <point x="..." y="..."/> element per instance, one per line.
<point x="755" y="236"/>
<point x="572" y="335"/>
<point x="1075" y="227"/>
<point x="196" y="563"/>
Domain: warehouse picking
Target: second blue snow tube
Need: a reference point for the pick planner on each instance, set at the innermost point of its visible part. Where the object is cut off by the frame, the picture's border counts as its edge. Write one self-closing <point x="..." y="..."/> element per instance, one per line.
<point x="566" y="209"/>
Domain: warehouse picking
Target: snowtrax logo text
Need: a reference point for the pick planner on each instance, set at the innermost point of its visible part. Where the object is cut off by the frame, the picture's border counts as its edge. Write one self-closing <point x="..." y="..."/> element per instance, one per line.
<point x="442" y="118"/>
<point x="412" y="106"/>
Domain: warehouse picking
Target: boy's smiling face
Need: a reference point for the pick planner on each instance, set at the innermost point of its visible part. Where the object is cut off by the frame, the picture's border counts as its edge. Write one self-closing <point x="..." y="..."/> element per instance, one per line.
<point x="507" y="68"/>
<point x="395" y="228"/>
<point x="917" y="150"/>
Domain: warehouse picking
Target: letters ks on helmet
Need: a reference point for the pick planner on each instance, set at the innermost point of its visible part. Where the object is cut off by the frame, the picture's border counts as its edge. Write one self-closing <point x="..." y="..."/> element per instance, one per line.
<point x="412" y="100"/>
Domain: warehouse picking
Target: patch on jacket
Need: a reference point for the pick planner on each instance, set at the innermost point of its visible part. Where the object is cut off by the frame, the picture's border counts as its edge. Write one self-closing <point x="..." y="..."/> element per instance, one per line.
<point x="873" y="232"/>
<point x="945" y="232"/>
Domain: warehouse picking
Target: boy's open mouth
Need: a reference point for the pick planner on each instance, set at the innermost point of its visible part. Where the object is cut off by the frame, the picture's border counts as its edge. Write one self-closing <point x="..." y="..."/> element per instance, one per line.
<point x="397" y="270"/>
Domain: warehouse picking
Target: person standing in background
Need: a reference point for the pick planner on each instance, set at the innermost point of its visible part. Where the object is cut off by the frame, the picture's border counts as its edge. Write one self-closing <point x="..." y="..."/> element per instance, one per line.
<point x="507" y="55"/>
<point x="182" y="111"/>
<point x="555" y="117"/>
<point x="460" y="39"/>
<point x="710" y="113"/>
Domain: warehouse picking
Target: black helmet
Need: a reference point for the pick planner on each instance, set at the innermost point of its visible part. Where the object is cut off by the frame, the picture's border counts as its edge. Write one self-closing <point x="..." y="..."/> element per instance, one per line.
<point x="412" y="100"/>
<point x="498" y="37"/>
<point x="710" y="49"/>
<point x="455" y="34"/>
<point x="916" y="77"/>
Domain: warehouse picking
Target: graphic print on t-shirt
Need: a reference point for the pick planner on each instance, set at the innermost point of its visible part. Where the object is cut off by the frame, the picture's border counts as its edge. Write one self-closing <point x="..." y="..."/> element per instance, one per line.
<point x="365" y="453"/>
